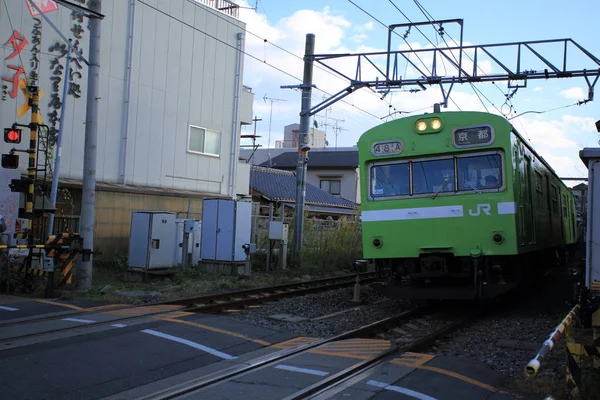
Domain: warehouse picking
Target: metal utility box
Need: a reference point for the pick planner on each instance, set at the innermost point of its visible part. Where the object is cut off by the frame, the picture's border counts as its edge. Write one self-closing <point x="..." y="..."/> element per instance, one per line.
<point x="226" y="226"/>
<point x="278" y="230"/>
<point x="591" y="158"/>
<point x="193" y="228"/>
<point x="152" y="239"/>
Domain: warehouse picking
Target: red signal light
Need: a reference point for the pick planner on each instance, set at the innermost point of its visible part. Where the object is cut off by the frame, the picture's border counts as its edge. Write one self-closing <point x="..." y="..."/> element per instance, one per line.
<point x="12" y="135"/>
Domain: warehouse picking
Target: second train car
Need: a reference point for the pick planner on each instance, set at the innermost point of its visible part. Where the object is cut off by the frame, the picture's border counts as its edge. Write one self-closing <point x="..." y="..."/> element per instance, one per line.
<point x="457" y="205"/>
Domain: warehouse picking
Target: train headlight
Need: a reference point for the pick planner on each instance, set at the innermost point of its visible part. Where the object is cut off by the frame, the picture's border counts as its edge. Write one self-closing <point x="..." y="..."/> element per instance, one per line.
<point x="428" y="125"/>
<point x="377" y="243"/>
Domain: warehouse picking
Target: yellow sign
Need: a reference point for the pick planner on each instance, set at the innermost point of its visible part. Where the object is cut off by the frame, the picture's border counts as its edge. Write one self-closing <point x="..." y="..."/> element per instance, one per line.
<point x="25" y="107"/>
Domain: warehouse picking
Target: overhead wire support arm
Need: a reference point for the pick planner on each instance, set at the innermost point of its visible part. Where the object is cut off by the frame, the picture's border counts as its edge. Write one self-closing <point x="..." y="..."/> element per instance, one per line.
<point x="539" y="66"/>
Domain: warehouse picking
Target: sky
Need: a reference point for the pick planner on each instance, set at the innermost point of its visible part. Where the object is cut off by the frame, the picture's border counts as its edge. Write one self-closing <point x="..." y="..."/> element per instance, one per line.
<point x="545" y="112"/>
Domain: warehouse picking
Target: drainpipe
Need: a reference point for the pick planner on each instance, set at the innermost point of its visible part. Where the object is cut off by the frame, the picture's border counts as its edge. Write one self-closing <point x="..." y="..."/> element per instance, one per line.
<point x="127" y="91"/>
<point x="235" y="128"/>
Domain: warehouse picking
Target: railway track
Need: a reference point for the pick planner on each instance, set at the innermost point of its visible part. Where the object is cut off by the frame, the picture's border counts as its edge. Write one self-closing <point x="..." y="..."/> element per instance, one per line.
<point x="242" y="298"/>
<point x="193" y="388"/>
<point x="206" y="304"/>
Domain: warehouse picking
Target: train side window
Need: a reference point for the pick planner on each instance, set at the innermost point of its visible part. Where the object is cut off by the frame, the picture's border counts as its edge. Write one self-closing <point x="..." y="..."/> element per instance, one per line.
<point x="481" y="172"/>
<point x="390" y="180"/>
<point x="539" y="190"/>
<point x="555" y="199"/>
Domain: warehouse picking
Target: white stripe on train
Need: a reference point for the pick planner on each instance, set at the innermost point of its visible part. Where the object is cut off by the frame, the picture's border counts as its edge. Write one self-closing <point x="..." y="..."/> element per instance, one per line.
<point x="504" y="208"/>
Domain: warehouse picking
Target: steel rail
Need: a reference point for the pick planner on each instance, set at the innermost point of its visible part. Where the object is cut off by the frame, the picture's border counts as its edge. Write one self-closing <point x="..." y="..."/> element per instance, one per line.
<point x="270" y="359"/>
<point x="209" y="299"/>
<point x="324" y="282"/>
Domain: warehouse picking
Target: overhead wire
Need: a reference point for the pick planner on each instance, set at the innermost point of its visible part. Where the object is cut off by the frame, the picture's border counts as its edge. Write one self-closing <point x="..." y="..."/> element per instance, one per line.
<point x="266" y="41"/>
<point x="426" y="37"/>
<point x="426" y="13"/>
<point x="248" y="54"/>
<point x="430" y="19"/>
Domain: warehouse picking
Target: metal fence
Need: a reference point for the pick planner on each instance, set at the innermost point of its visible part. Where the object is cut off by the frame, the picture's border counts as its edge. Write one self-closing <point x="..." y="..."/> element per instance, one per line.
<point x="62" y="224"/>
<point x="225" y="6"/>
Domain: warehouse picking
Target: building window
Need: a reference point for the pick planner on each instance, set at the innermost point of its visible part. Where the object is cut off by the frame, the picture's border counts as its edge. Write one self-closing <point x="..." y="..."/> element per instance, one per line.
<point x="204" y="141"/>
<point x="332" y="186"/>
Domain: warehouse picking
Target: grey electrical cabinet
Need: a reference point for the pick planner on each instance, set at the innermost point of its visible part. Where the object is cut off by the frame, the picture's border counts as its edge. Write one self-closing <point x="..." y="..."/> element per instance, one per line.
<point x="152" y="239"/>
<point x="226" y="226"/>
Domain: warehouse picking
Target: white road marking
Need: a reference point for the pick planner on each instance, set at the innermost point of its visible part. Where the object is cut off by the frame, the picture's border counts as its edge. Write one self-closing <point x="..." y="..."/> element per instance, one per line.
<point x="119" y="325"/>
<point x="402" y="390"/>
<point x="8" y="308"/>
<point x="85" y="321"/>
<point x="189" y="343"/>
<point x="302" y="370"/>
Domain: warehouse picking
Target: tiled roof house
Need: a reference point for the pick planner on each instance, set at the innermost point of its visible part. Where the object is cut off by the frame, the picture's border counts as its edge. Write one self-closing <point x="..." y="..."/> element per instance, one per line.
<point x="279" y="186"/>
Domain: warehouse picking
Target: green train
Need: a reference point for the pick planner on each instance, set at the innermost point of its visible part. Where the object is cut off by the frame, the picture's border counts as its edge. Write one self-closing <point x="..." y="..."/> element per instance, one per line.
<point x="457" y="205"/>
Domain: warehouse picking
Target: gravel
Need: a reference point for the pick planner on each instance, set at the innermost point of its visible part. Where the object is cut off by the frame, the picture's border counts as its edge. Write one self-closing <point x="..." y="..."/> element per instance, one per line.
<point x="372" y="307"/>
<point x="530" y="323"/>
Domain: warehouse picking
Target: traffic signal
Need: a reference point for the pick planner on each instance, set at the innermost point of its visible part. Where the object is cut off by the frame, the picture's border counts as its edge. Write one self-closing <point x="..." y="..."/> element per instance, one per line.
<point x="19" y="185"/>
<point x="12" y="135"/>
<point x="10" y="161"/>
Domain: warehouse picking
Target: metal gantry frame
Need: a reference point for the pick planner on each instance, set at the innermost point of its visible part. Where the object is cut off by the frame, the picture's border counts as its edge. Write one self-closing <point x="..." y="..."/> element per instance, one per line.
<point x="516" y="75"/>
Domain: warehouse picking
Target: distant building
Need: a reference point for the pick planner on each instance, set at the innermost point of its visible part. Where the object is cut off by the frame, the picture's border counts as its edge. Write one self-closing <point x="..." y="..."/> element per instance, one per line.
<point x="333" y="171"/>
<point x="316" y="138"/>
<point x="171" y="106"/>
<point x="278" y="187"/>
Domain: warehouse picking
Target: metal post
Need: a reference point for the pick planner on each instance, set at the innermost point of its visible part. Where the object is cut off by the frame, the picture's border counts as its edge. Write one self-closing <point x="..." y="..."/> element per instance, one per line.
<point x="58" y="146"/>
<point x="303" y="142"/>
<point x="269" y="247"/>
<point x="88" y="198"/>
<point x="283" y="251"/>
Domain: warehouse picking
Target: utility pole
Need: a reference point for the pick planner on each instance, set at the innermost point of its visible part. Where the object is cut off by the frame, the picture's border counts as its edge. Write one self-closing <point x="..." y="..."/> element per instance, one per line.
<point x="88" y="198"/>
<point x="303" y="147"/>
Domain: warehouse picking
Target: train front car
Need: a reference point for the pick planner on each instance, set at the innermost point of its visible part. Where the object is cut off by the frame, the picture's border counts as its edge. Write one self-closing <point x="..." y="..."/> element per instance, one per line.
<point x="439" y="205"/>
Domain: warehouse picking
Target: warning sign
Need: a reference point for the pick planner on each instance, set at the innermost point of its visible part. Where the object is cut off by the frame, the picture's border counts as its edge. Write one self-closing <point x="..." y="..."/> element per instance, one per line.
<point x="45" y="6"/>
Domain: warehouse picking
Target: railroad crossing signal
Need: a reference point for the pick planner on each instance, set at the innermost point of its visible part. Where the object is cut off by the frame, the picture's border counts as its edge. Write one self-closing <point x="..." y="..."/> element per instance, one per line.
<point x="19" y="185"/>
<point x="12" y="135"/>
<point x="10" y="161"/>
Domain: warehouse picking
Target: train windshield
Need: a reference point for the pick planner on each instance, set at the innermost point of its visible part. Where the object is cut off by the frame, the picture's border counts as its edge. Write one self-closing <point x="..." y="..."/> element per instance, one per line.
<point x="480" y="172"/>
<point x="461" y="173"/>
<point x="390" y="180"/>
<point x="433" y="176"/>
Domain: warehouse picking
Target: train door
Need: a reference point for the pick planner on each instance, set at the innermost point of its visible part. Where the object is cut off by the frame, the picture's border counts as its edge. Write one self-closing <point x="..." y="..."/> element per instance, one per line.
<point x="529" y="212"/>
<point x="520" y="194"/>
<point x="549" y="225"/>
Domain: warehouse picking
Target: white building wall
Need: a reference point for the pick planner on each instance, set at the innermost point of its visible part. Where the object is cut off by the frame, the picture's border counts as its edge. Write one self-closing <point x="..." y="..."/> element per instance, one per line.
<point x="183" y="73"/>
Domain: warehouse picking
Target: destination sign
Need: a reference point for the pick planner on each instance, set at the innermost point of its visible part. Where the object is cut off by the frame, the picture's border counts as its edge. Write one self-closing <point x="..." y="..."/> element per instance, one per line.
<point x="388" y="148"/>
<point x="473" y="136"/>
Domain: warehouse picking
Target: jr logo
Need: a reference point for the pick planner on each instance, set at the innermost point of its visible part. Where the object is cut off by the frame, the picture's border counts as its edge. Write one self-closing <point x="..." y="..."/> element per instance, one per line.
<point x="481" y="207"/>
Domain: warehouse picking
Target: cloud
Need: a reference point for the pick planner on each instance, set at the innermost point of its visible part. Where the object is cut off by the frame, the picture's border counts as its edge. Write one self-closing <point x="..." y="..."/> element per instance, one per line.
<point x="573" y="93"/>
<point x="538" y="89"/>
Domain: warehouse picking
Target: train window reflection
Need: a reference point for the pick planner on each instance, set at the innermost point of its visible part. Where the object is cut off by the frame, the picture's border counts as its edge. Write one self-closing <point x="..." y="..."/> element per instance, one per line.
<point x="480" y="172"/>
<point x="436" y="176"/>
<point x="390" y="180"/>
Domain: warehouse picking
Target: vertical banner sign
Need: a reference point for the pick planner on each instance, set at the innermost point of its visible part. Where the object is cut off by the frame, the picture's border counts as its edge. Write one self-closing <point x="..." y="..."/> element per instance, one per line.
<point x="75" y="74"/>
<point x="9" y="206"/>
<point x="45" y="6"/>
<point x="16" y="72"/>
